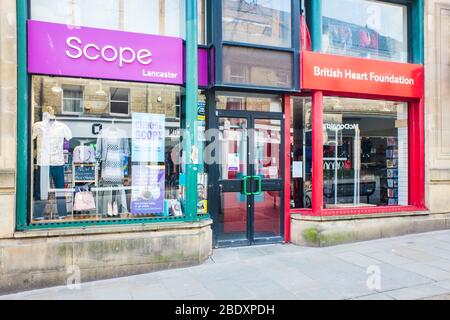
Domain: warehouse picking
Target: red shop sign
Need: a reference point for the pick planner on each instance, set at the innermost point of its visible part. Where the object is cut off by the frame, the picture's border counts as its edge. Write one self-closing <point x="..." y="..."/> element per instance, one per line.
<point x="355" y="75"/>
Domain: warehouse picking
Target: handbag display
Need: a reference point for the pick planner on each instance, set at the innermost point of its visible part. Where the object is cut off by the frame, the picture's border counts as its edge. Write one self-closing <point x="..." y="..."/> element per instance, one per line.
<point x="84" y="199"/>
<point x="84" y="154"/>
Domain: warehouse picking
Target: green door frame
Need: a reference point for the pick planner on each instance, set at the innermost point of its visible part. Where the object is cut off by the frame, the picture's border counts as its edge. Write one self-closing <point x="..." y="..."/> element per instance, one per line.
<point x="23" y="128"/>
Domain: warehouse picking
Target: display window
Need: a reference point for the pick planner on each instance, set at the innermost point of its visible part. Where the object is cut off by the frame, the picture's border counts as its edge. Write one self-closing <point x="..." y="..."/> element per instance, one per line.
<point x="365" y="153"/>
<point x="366" y="29"/>
<point x="301" y="152"/>
<point x="265" y="23"/>
<point x="105" y="162"/>
<point x="257" y="67"/>
<point x="143" y="16"/>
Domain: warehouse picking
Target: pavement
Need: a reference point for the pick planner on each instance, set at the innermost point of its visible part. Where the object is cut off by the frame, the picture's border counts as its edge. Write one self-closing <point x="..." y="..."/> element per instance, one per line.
<point x="412" y="267"/>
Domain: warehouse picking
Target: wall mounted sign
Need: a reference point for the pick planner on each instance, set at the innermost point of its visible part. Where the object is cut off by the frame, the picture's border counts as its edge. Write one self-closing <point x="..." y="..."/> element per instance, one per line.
<point x="363" y="76"/>
<point x="64" y="50"/>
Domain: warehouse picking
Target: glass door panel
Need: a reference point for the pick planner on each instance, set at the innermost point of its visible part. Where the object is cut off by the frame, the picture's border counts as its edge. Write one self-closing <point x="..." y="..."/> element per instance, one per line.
<point x="232" y="217"/>
<point x="267" y="137"/>
<point x="267" y="209"/>
<point x="232" y="153"/>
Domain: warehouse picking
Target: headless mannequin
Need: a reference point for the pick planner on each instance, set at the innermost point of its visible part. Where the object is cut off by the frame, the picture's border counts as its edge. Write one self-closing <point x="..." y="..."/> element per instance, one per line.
<point x="50" y="135"/>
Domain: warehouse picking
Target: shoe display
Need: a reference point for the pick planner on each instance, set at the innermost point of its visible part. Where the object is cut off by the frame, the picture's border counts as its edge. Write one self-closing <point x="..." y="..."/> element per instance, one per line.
<point x="115" y="210"/>
<point x="110" y="209"/>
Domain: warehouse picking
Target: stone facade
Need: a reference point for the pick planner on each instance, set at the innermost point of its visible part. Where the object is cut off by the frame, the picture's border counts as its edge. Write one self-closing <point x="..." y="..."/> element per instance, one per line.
<point x="437" y="104"/>
<point x="8" y="116"/>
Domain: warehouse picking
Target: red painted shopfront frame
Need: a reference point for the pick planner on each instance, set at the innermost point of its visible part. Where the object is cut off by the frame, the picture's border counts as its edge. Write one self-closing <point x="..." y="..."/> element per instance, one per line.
<point x="416" y="157"/>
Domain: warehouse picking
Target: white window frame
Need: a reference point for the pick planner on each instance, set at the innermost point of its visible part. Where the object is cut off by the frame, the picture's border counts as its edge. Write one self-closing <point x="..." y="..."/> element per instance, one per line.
<point x="72" y="87"/>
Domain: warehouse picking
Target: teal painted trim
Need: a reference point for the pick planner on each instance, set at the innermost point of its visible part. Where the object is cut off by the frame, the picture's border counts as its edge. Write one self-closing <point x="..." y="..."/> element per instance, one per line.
<point x="23" y="130"/>
<point x="74" y="224"/>
<point x="314" y="22"/>
<point x="22" y="116"/>
<point x="190" y="136"/>
<point x="417" y="32"/>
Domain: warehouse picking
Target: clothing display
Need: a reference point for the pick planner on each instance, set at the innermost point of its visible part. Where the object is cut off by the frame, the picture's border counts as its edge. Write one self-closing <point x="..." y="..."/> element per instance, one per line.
<point x="112" y="202"/>
<point x="112" y="148"/>
<point x="41" y="187"/>
<point x="50" y="135"/>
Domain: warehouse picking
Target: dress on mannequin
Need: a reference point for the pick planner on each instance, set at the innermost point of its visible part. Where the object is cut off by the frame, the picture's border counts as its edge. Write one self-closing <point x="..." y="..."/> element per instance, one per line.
<point x="112" y="148"/>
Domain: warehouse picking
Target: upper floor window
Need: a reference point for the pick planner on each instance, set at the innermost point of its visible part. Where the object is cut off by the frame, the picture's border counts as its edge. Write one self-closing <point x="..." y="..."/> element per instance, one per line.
<point x="264" y="22"/>
<point x="365" y="28"/>
<point x="119" y="101"/>
<point x="161" y="17"/>
<point x="72" y="99"/>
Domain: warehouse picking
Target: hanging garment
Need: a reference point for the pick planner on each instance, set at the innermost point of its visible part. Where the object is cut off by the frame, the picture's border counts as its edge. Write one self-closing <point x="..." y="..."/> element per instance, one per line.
<point x="112" y="148"/>
<point x="50" y="137"/>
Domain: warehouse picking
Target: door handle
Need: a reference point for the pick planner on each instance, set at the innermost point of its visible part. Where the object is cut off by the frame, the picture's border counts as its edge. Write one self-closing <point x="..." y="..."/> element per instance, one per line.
<point x="259" y="181"/>
<point x="245" y="180"/>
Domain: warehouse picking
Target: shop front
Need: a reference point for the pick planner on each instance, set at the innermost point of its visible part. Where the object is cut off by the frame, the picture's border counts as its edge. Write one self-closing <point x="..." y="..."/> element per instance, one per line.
<point x="110" y="180"/>
<point x="150" y="134"/>
<point x="255" y="50"/>
<point x="357" y="129"/>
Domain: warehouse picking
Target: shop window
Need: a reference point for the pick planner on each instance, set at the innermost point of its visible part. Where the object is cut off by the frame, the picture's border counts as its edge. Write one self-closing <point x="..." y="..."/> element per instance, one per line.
<point x="365" y="153"/>
<point x="257" y="22"/>
<point x="365" y="28"/>
<point x="99" y="166"/>
<point x="119" y="102"/>
<point x="72" y="99"/>
<point x="202" y="22"/>
<point x="144" y="16"/>
<point x="249" y="66"/>
<point x="301" y="152"/>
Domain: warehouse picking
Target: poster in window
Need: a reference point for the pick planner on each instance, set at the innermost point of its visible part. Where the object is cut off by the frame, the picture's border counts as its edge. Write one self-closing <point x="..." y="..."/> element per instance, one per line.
<point x="147" y="196"/>
<point x="148" y="133"/>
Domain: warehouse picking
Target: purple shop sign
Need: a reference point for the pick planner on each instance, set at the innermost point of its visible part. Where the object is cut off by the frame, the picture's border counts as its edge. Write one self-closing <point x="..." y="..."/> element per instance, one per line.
<point x="203" y="67"/>
<point x="64" y="50"/>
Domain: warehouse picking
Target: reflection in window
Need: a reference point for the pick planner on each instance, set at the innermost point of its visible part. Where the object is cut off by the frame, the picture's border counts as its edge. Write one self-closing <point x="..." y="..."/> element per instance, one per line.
<point x="72" y="99"/>
<point x="365" y="153"/>
<point x="95" y="165"/>
<point x="266" y="22"/>
<point x="119" y="101"/>
<point x="301" y="152"/>
<point x="365" y="28"/>
<point x="257" y="67"/>
<point x="165" y="17"/>
<point x="248" y="102"/>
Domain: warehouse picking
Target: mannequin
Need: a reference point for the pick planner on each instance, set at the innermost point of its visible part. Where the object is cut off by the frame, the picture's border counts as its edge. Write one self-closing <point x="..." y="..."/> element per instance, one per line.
<point x="112" y="148"/>
<point x="50" y="135"/>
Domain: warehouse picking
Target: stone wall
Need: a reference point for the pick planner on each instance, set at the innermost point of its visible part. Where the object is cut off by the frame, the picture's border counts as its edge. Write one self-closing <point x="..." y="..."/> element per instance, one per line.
<point x="437" y="104"/>
<point x="8" y="115"/>
<point x="38" y="259"/>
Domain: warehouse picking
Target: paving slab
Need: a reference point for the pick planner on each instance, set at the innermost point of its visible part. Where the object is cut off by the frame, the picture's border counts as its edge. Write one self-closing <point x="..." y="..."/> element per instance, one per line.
<point x="411" y="267"/>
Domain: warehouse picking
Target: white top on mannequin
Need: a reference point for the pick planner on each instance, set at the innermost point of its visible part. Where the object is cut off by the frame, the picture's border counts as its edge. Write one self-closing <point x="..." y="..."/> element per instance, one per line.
<point x="50" y="135"/>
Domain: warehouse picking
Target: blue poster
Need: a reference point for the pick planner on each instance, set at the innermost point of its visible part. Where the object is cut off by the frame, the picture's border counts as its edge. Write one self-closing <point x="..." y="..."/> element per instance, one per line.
<point x="148" y="133"/>
<point x="147" y="196"/>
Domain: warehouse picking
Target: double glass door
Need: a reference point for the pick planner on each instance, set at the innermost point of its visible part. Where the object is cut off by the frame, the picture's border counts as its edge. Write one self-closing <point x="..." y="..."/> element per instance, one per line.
<point x="247" y="205"/>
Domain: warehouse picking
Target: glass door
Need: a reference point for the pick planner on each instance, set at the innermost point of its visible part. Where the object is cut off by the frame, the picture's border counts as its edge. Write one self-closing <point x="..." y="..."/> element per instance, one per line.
<point x="249" y="196"/>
